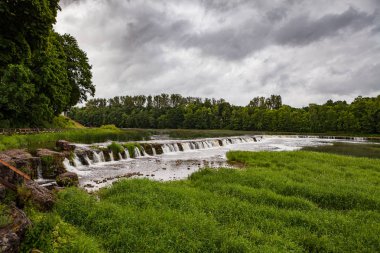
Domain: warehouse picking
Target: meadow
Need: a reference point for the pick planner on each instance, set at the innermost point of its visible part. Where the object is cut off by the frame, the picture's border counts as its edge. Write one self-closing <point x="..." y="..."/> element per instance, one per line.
<point x="280" y="202"/>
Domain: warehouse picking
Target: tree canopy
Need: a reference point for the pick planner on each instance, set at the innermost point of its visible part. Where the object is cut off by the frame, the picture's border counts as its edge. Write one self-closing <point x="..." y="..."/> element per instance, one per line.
<point x="261" y="114"/>
<point x="42" y="73"/>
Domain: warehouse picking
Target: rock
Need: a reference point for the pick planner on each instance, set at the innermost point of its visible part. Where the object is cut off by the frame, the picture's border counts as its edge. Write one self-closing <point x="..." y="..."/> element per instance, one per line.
<point x="40" y="196"/>
<point x="2" y="192"/>
<point x="22" y="160"/>
<point x="12" y="234"/>
<point x="18" y="154"/>
<point x="64" y="145"/>
<point x="51" y="162"/>
<point x="68" y="179"/>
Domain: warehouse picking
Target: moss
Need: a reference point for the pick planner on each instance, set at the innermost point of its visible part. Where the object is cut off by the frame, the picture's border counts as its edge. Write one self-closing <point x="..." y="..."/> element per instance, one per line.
<point x="52" y="166"/>
<point x="131" y="148"/>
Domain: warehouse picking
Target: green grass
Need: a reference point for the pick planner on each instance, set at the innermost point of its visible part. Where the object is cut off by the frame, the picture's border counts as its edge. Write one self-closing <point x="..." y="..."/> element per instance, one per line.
<point x="48" y="140"/>
<point x="52" y="234"/>
<point x="282" y="202"/>
<point x="350" y="149"/>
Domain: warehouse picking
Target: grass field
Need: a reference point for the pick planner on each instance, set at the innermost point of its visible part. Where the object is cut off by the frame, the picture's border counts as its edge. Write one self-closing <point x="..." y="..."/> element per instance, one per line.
<point x="281" y="202"/>
<point x="350" y="149"/>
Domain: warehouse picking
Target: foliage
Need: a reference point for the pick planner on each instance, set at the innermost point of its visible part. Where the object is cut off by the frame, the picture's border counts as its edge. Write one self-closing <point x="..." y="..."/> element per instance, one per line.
<point x="116" y="148"/>
<point x="5" y="218"/>
<point x="50" y="234"/>
<point x="42" y="73"/>
<point x="131" y="148"/>
<point x="282" y="202"/>
<point x="110" y="127"/>
<point x="48" y="140"/>
<point x="351" y="149"/>
<point x="261" y="114"/>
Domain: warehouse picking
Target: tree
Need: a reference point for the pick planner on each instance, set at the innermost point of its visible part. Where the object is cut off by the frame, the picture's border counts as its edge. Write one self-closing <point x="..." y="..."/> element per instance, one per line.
<point x="41" y="72"/>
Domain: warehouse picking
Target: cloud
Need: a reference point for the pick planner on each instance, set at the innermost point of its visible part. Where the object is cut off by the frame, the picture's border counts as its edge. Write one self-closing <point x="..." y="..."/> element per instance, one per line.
<point x="305" y="51"/>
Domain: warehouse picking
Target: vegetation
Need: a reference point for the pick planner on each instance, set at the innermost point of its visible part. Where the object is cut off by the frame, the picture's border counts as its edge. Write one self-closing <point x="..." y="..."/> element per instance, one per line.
<point x="131" y="148"/>
<point x="282" y="202"/>
<point x="52" y="234"/>
<point x="48" y="140"/>
<point x="174" y="111"/>
<point x="4" y="215"/>
<point x="351" y="149"/>
<point x="42" y="73"/>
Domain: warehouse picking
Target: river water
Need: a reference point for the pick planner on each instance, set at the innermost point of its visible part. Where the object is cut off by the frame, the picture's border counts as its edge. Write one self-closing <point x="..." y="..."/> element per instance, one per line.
<point x="176" y="165"/>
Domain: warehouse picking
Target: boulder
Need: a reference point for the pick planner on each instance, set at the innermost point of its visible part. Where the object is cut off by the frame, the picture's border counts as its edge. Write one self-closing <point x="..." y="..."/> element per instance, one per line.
<point x="12" y="234"/>
<point x="68" y="179"/>
<point x="40" y="196"/>
<point x="51" y="163"/>
<point x="65" y="145"/>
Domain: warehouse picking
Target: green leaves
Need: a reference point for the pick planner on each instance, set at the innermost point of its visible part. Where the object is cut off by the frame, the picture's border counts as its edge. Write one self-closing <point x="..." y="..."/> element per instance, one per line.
<point x="42" y="73"/>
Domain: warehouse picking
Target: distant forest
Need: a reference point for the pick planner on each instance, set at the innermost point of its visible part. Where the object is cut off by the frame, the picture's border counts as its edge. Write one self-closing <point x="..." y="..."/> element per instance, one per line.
<point x="261" y="114"/>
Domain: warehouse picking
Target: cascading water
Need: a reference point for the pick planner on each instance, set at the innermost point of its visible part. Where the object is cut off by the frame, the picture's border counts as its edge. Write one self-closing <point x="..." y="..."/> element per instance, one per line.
<point x="154" y="151"/>
<point x="88" y="160"/>
<point x="137" y="152"/>
<point x="126" y="153"/>
<point x="77" y="161"/>
<point x="120" y="156"/>
<point x="111" y="157"/>
<point x="98" y="158"/>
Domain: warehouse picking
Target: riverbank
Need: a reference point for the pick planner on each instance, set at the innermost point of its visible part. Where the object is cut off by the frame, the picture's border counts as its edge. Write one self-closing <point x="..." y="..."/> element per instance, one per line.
<point x="86" y="135"/>
<point x="280" y="202"/>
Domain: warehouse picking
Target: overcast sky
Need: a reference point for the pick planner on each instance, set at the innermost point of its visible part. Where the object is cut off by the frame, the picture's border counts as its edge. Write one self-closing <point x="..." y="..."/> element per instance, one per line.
<point x="306" y="51"/>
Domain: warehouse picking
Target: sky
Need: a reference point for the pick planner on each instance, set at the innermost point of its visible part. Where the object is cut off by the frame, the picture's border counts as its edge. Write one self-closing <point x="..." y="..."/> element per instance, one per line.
<point x="307" y="51"/>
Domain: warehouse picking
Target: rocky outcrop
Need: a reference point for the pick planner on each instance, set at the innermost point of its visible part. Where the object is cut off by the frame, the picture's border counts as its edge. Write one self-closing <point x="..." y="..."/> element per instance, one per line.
<point x="12" y="234"/>
<point x="68" y="179"/>
<point x="22" y="160"/>
<point x="41" y="197"/>
<point x="51" y="162"/>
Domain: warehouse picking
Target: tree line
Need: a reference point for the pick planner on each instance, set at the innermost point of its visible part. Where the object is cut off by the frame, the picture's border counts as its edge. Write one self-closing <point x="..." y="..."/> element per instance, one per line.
<point x="42" y="73"/>
<point x="261" y="114"/>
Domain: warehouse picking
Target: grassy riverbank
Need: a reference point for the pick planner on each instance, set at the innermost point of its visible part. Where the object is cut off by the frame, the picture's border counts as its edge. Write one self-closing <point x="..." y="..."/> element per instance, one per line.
<point x="281" y="202"/>
<point x="86" y="135"/>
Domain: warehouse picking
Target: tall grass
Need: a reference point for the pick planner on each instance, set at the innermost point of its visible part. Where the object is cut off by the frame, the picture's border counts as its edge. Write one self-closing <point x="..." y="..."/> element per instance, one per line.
<point x="282" y="202"/>
<point x="48" y="140"/>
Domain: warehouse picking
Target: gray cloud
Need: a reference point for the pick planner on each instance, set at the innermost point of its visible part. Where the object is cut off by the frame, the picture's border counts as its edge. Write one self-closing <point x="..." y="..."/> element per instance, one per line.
<point x="232" y="49"/>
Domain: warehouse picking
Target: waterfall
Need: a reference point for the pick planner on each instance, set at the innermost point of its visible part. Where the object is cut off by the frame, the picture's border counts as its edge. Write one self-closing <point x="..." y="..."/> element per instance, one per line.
<point x="126" y="153"/>
<point x="137" y="152"/>
<point x="154" y="151"/>
<point x="165" y="148"/>
<point x="77" y="161"/>
<point x="68" y="167"/>
<point x="144" y="152"/>
<point x="111" y="157"/>
<point x="39" y="171"/>
<point x="186" y="146"/>
<point x="98" y="158"/>
<point x="120" y="156"/>
<point x="87" y="159"/>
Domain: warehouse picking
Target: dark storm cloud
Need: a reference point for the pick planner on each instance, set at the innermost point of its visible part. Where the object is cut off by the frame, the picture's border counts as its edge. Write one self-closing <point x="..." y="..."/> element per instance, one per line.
<point x="233" y="49"/>
<point x="302" y="30"/>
